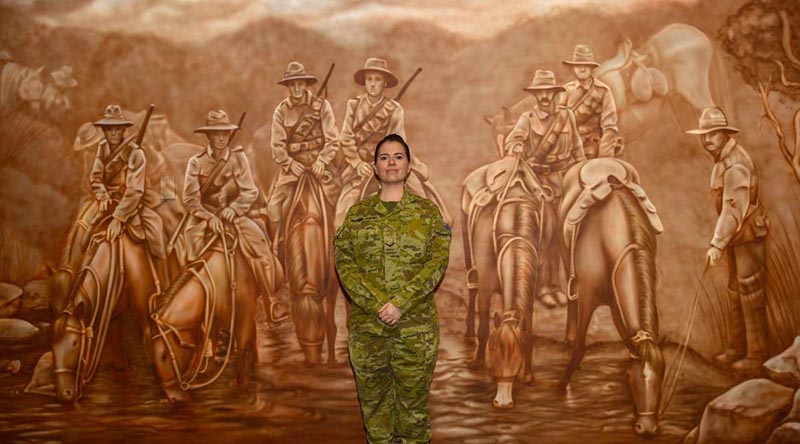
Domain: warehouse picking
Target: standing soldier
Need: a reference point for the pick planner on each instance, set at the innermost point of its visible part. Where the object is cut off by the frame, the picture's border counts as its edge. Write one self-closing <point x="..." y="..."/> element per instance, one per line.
<point x="741" y="229"/>
<point x="593" y="105"/>
<point x="553" y="146"/>
<point x="304" y="137"/>
<point x="218" y="187"/>
<point x="368" y="119"/>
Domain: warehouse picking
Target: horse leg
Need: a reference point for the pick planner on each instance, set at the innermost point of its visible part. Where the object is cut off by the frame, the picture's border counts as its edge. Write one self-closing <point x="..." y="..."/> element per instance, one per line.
<point x="484" y="306"/>
<point x="139" y="285"/>
<point x="244" y="345"/>
<point x="306" y="281"/>
<point x="119" y="356"/>
<point x="584" y="314"/>
<point x="330" y="323"/>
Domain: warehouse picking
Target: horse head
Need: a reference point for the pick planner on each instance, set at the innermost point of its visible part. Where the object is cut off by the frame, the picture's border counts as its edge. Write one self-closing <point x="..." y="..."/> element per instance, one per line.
<point x="502" y="122"/>
<point x="506" y="355"/>
<point x="31" y="87"/>
<point x="645" y="375"/>
<point x="68" y="342"/>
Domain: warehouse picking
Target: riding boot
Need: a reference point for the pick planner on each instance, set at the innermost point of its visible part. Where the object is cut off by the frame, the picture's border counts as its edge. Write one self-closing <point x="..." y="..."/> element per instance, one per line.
<point x="754" y="307"/>
<point x="276" y="313"/>
<point x="736" y="334"/>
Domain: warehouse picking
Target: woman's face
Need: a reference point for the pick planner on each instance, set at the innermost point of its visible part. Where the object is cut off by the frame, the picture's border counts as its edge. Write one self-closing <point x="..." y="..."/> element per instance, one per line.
<point x="392" y="166"/>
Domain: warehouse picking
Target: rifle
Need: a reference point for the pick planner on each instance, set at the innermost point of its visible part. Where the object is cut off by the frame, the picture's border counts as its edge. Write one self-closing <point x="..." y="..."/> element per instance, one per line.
<point x="322" y="88"/>
<point x="138" y="137"/>
<point x="206" y="186"/>
<point x="357" y="127"/>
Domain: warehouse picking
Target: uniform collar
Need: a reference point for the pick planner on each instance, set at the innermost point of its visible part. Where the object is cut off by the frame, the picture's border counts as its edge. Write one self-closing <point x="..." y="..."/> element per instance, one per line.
<point x="225" y="153"/>
<point x="589" y="84"/>
<point x="381" y="209"/>
<point x="727" y="149"/>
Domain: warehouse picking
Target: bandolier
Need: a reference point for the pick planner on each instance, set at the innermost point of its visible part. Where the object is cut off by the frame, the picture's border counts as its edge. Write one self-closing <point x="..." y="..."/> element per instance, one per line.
<point x="593" y="105"/>
<point x="554" y="145"/>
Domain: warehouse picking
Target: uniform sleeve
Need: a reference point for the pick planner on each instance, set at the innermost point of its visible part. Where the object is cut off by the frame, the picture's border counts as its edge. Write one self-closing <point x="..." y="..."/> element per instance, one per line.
<point x="397" y="123"/>
<point x="735" y="201"/>
<point x="248" y="192"/>
<point x="278" y="140"/>
<point x="328" y="122"/>
<point x="576" y="150"/>
<point x="515" y="141"/>
<point x="347" y="140"/>
<point x="96" y="175"/>
<point x="134" y="185"/>
<point x="191" y="191"/>
<point x="362" y="293"/>
<point x="422" y="285"/>
<point x="608" y="125"/>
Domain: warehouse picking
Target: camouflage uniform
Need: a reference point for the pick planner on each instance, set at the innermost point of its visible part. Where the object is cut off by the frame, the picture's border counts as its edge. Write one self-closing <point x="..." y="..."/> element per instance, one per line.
<point x="397" y="256"/>
<point x="359" y="147"/>
<point x="548" y="159"/>
<point x="595" y="116"/>
<point x="742" y="229"/>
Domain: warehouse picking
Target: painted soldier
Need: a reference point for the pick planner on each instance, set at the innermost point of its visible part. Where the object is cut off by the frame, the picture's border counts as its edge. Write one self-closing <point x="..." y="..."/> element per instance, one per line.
<point x="304" y="137"/>
<point x="218" y="190"/>
<point x="547" y="138"/>
<point x="741" y="231"/>
<point x="117" y="181"/>
<point x="593" y="105"/>
<point x="369" y="117"/>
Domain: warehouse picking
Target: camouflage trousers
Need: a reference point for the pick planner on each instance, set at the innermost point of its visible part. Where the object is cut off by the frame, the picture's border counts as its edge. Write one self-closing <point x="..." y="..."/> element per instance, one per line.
<point x="393" y="377"/>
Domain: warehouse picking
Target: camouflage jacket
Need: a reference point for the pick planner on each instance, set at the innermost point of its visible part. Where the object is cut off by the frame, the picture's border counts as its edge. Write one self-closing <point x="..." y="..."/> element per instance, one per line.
<point x="396" y="256"/>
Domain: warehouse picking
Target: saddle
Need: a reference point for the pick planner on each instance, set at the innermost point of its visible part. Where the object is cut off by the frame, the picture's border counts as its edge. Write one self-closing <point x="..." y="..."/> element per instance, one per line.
<point x="486" y="183"/>
<point x="590" y="182"/>
<point x="636" y="69"/>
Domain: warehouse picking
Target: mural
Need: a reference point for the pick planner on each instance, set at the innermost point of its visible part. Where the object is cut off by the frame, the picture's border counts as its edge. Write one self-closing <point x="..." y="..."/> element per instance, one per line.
<point x="624" y="268"/>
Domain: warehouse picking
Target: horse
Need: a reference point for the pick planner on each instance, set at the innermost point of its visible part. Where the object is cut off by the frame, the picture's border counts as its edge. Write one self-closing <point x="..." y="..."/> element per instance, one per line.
<point x="20" y="86"/>
<point x="678" y="65"/>
<point x="501" y="209"/>
<point x="307" y="252"/>
<point x="610" y="227"/>
<point x="218" y="290"/>
<point x="114" y="277"/>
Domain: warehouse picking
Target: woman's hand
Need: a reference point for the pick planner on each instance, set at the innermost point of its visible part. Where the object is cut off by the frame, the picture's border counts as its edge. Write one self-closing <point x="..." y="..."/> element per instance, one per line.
<point x="389" y="314"/>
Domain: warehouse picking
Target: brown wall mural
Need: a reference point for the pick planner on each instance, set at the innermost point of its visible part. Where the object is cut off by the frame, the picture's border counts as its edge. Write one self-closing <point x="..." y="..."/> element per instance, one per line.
<point x="621" y="180"/>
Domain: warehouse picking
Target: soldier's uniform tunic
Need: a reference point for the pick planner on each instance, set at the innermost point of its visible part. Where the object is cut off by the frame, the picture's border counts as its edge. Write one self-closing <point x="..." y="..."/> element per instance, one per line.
<point x="555" y="145"/>
<point x="315" y="138"/>
<point x="742" y="229"/>
<point x="396" y="255"/>
<point x="124" y="179"/>
<point x="358" y="146"/>
<point x="595" y="116"/>
<point x="232" y="188"/>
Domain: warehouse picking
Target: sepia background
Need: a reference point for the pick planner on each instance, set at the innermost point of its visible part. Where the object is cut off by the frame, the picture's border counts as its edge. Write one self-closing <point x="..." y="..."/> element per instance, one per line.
<point x="190" y="56"/>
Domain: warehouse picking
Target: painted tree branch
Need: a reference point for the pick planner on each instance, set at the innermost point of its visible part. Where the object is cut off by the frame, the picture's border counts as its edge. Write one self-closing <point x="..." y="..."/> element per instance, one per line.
<point x="785" y="80"/>
<point x="787" y="40"/>
<point x="791" y="156"/>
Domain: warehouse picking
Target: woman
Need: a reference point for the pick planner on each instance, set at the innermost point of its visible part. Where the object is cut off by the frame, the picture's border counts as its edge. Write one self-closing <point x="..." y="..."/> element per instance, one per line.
<point x="391" y="252"/>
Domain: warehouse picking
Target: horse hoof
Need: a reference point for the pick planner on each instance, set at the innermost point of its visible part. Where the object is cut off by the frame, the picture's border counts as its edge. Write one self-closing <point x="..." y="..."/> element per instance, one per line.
<point x="177" y="396"/>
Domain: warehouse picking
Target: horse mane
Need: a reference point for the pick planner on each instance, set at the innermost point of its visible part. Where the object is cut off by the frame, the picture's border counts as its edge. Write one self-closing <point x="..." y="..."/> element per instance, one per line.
<point x="11" y="77"/>
<point x="643" y="235"/>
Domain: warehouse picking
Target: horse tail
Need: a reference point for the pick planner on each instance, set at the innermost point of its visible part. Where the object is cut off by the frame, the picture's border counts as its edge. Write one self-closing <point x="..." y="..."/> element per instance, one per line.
<point x="644" y="237"/>
<point x="524" y="262"/>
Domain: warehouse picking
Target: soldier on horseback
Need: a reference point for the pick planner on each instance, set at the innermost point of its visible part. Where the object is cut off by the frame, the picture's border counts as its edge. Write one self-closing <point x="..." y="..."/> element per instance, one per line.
<point x="117" y="181"/>
<point x="741" y="231"/>
<point x="368" y="119"/>
<point x="304" y="137"/>
<point x="219" y="189"/>
<point x="593" y="105"/>
<point x="547" y="138"/>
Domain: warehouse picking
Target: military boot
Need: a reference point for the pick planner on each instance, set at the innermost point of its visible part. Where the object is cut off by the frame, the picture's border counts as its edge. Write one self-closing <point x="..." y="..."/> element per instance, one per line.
<point x="266" y="274"/>
<point x="754" y="308"/>
<point x="736" y="334"/>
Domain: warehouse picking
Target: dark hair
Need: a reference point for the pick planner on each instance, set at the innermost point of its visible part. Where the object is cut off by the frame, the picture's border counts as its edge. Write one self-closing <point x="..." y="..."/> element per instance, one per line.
<point x="392" y="138"/>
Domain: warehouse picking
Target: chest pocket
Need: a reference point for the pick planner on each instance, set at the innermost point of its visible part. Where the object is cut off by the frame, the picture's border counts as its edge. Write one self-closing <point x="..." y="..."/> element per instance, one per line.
<point x="413" y="243"/>
<point x="368" y="240"/>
